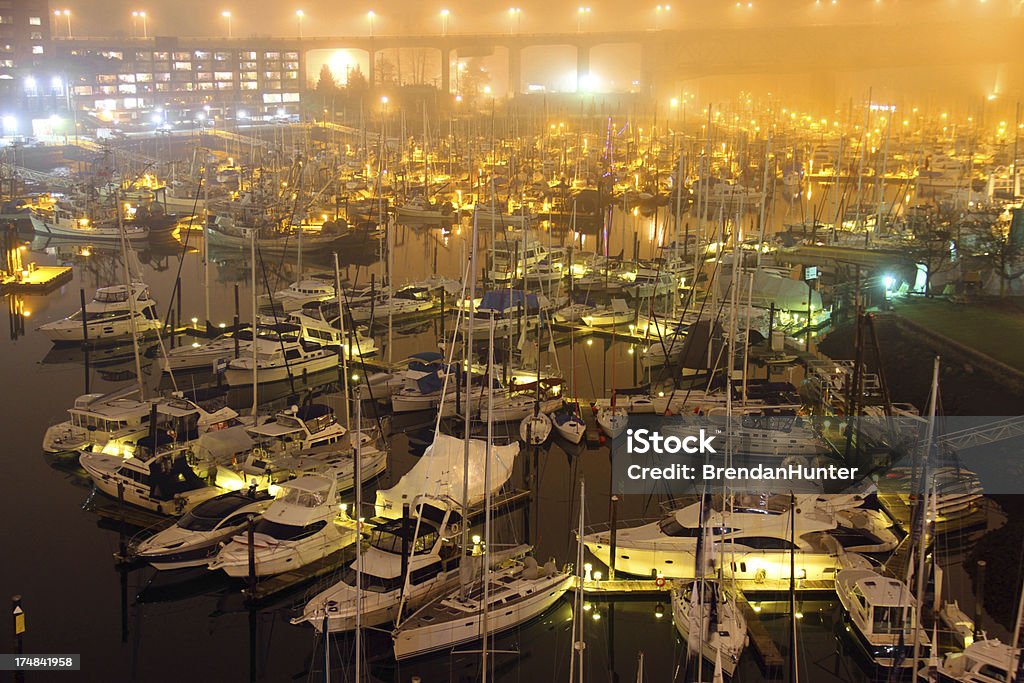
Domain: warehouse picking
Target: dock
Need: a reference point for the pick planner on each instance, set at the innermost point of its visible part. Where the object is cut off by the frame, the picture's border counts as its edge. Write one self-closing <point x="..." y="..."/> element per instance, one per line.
<point x="37" y="280"/>
<point x="765" y="648"/>
<point x="279" y="583"/>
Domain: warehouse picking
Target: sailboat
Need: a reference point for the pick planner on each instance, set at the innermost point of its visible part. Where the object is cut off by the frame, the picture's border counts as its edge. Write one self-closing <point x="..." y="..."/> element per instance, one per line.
<point x="501" y="599"/>
<point x="707" y="607"/>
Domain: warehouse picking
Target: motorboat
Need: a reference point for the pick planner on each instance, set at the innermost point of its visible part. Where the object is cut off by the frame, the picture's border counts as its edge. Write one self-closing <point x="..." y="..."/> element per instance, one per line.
<point x="114" y="313"/>
<point x="299" y="293"/>
<point x="983" y="661"/>
<point x="301" y="526"/>
<point x="882" y="616"/>
<point x="757" y="531"/>
<point x="707" y="618"/>
<point x="112" y="423"/>
<point x="64" y="222"/>
<point x="196" y="536"/>
<point x="157" y="477"/>
<point x="514" y="594"/>
<point x="280" y="359"/>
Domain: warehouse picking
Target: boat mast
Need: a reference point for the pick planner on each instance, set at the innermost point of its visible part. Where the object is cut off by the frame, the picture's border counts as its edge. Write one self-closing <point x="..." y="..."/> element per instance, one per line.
<point x="341" y="341"/>
<point x="923" y="511"/>
<point x="205" y="180"/>
<point x="487" y="495"/>
<point x="255" y="373"/>
<point x="131" y="297"/>
<point x="578" y="644"/>
<point x="357" y="482"/>
<point x="469" y="394"/>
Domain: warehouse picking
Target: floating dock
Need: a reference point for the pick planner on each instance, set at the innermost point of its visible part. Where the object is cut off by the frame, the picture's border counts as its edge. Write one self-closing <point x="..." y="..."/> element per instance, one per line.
<point x="37" y="280"/>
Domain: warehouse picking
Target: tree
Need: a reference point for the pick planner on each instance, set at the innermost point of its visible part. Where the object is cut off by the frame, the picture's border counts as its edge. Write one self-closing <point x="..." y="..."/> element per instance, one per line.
<point x="327" y="89"/>
<point x="1006" y="254"/>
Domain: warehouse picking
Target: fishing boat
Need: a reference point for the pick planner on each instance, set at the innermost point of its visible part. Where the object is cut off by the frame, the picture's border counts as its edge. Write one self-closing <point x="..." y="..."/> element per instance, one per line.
<point x="881" y="613"/>
<point x="65" y="222"/>
<point x="420" y="210"/>
<point x="196" y="536"/>
<point x="757" y="529"/>
<point x="114" y="313"/>
<point x="302" y="525"/>
<point x="707" y="617"/>
<point x="983" y="661"/>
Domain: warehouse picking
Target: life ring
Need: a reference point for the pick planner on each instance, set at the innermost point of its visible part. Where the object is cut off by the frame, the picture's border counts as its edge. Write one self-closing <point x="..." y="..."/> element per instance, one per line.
<point x="660" y="581"/>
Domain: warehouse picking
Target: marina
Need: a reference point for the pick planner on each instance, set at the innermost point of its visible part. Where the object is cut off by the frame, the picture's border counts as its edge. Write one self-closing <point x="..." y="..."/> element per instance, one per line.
<point x="388" y="351"/>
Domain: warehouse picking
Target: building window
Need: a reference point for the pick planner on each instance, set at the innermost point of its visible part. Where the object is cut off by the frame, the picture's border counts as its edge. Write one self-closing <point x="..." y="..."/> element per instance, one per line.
<point x="248" y="85"/>
<point x="35" y="35"/>
<point x="272" y="55"/>
<point x="35" y="21"/>
<point x="183" y="66"/>
<point x="224" y="76"/>
<point x="37" y="49"/>
<point x="6" y="19"/>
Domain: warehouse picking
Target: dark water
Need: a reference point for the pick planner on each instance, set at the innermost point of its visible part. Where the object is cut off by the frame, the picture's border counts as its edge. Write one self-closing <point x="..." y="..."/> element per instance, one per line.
<point x="59" y="558"/>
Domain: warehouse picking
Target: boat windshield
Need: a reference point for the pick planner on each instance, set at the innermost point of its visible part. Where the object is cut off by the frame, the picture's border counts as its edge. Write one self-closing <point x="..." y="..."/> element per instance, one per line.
<point x="387" y="540"/>
<point x="670" y="527"/>
<point x="890" y="620"/>
<point x="306" y="499"/>
<point x="375" y="584"/>
<point x="207" y="515"/>
<point x="287" y="532"/>
<point x="111" y="296"/>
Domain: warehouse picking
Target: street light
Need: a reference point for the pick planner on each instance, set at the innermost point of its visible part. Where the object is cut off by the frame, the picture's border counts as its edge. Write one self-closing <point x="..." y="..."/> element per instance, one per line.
<point x="370" y="15"/>
<point x="66" y="13"/>
<point x="515" y="18"/>
<point x="444" y="22"/>
<point x="581" y="13"/>
<point x="298" y="18"/>
<point x="136" y="15"/>
<point x="658" y="11"/>
<point x="227" y="15"/>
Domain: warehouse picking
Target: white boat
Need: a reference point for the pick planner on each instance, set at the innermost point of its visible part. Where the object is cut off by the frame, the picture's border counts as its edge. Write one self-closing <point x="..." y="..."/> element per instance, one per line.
<point x="617" y="314"/>
<point x="196" y="536"/>
<point x="299" y="293"/>
<point x="319" y="331"/>
<point x="419" y="209"/>
<point x="109" y="316"/>
<point x="535" y="429"/>
<point x="757" y="531"/>
<point x="487" y="217"/>
<point x="515" y="594"/>
<point x="573" y="313"/>
<point x="983" y="661"/>
<point x="61" y="222"/>
<point x="707" y="617"/>
<point x="206" y="356"/>
<point x="569" y="425"/>
<point x="377" y="386"/>
<point x="882" y="613"/>
<point x="301" y="526"/>
<point x="394" y="307"/>
<point x="277" y="360"/>
<point x="157" y="478"/>
<point x="612" y="420"/>
<point x="435" y="564"/>
<point x="112" y="423"/>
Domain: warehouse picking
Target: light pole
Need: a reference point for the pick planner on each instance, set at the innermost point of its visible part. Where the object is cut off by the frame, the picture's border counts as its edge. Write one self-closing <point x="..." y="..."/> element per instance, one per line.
<point x="299" y="14"/>
<point x="660" y="10"/>
<point x="227" y="15"/>
<point x="515" y="18"/>
<point x="66" y="13"/>
<point x="444" y="22"/>
<point x="581" y="14"/>
<point x="136" y="15"/>
<point x="371" y="15"/>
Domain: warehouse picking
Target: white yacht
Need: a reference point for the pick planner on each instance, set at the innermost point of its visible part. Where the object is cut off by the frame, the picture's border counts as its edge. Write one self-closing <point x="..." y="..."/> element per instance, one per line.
<point x="299" y="293"/>
<point x="301" y="526"/>
<point x="514" y="595"/>
<point x="210" y="355"/>
<point x="882" y="615"/>
<point x="707" y="617"/>
<point x="279" y="359"/>
<point x="757" y="531"/>
<point x="109" y="316"/>
<point x="385" y="306"/>
<point x="112" y="423"/>
<point x="983" y="661"/>
<point x="157" y="477"/>
<point x="196" y="536"/>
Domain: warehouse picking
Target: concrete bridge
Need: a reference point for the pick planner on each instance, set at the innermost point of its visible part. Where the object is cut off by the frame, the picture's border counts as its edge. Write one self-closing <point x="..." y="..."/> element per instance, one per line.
<point x="668" y="56"/>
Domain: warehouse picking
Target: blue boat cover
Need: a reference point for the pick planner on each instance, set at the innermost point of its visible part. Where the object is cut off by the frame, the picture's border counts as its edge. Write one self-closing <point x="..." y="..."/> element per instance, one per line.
<point x="502" y="299"/>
